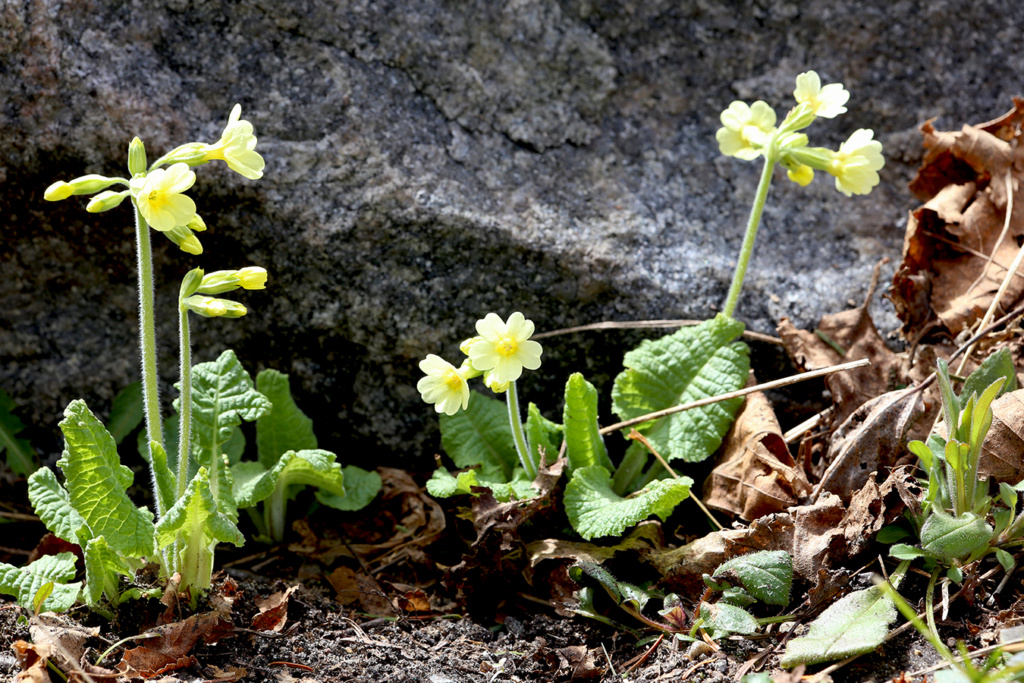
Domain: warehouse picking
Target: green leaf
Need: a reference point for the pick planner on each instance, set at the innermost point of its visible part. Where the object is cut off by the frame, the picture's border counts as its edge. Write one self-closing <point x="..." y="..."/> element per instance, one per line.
<point x="125" y="412"/>
<point x="902" y="551"/>
<point x="594" y="509"/>
<point x="284" y="428"/>
<point x="892" y="533"/>
<point x="1005" y="559"/>
<point x="25" y="582"/>
<point x="293" y="471"/>
<point x="443" y="484"/>
<point x="543" y="434"/>
<point x="196" y="524"/>
<point x="584" y="445"/>
<point x="620" y="591"/>
<point x="103" y="568"/>
<point x="21" y="458"/>
<point x="222" y="397"/>
<point x="996" y="366"/>
<point x="854" y="625"/>
<point x="96" y="482"/>
<point x="53" y="505"/>
<point x="693" y="363"/>
<point x="950" y="538"/>
<point x="361" y="487"/>
<point x="767" y="575"/>
<point x="722" y="619"/>
<point x="480" y="435"/>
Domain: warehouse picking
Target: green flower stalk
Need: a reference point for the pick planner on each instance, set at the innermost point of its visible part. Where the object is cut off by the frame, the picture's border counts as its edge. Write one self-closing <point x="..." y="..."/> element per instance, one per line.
<point x="749" y="132"/>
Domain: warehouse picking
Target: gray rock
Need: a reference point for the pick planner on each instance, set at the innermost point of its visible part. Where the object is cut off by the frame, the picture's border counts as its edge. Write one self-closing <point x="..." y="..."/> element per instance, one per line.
<point x="429" y="162"/>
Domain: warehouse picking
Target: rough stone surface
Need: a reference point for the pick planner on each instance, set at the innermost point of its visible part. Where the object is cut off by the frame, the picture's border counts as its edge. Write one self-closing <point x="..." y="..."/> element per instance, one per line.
<point x="429" y="162"/>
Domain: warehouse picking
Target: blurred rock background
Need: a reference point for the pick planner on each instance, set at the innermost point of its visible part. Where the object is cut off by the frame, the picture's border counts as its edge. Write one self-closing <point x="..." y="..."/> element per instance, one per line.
<point x="428" y="162"/>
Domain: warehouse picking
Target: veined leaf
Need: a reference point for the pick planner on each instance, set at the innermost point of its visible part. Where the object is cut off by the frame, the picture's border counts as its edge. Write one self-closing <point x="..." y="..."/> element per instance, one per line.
<point x="25" y="582"/>
<point x="284" y="428"/>
<point x="594" y="509"/>
<point x="443" y="484"/>
<point x="103" y="567"/>
<point x="950" y="538"/>
<point x="722" y="619"/>
<point x="854" y="625"/>
<point x="292" y="471"/>
<point x="53" y="505"/>
<point x="999" y="364"/>
<point x="222" y="397"/>
<point x="21" y="458"/>
<point x="584" y="445"/>
<point x="480" y="435"/>
<point x="196" y="524"/>
<point x="125" y="412"/>
<point x="543" y="435"/>
<point x="693" y="363"/>
<point x="767" y="575"/>
<point x="96" y="482"/>
<point x="361" y="487"/>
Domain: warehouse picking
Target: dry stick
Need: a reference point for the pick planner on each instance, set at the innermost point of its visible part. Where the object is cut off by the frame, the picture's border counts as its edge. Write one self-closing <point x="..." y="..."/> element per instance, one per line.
<point x="1002" y="235"/>
<point x="1006" y="280"/>
<point x="633" y="434"/>
<point x="647" y="324"/>
<point x="775" y="384"/>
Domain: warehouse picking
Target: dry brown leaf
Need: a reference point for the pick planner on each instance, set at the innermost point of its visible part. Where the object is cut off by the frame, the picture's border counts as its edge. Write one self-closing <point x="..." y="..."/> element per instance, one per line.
<point x="945" y="279"/>
<point x="343" y="580"/>
<point x="870" y="440"/>
<point x="273" y="611"/>
<point x="61" y="637"/>
<point x="1002" y="454"/>
<point x="168" y="650"/>
<point x="372" y="599"/>
<point x="756" y="474"/>
<point x="643" y="537"/>
<point x="32" y="660"/>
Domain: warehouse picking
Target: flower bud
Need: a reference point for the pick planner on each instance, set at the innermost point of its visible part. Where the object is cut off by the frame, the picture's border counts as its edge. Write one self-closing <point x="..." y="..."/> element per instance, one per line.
<point x="252" y="277"/>
<point x="197" y="224"/>
<point x="801" y="175"/>
<point x="136" y="157"/>
<point x="467" y="344"/>
<point x="58" y="191"/>
<point x="190" y="283"/>
<point x="105" y="201"/>
<point x="222" y="281"/>
<point x="185" y="240"/>
<point x="209" y="307"/>
<point x="492" y="383"/>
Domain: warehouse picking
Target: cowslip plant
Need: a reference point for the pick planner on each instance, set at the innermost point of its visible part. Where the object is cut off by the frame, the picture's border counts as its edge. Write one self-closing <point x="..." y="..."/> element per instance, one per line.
<point x="749" y="132"/>
<point x="189" y="457"/>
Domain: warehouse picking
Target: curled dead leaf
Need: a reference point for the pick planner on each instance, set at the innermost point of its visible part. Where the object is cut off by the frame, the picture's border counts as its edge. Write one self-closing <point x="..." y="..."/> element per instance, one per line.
<point x="171" y="644"/>
<point x="273" y="611"/>
<point x="1002" y="455"/>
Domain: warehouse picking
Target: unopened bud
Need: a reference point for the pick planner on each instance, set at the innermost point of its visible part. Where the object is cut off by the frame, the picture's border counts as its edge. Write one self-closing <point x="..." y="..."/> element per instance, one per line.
<point x="105" y="201"/>
<point x="214" y="308"/>
<point x="136" y="157"/>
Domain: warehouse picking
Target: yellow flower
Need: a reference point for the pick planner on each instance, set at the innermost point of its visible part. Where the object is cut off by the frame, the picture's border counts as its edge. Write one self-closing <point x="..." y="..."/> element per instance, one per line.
<point x="856" y="163"/>
<point x="801" y="174"/>
<point x="505" y="347"/>
<point x="826" y="102"/>
<point x="236" y="147"/>
<point x="444" y="386"/>
<point x="218" y="282"/>
<point x="746" y="129"/>
<point x="159" y="197"/>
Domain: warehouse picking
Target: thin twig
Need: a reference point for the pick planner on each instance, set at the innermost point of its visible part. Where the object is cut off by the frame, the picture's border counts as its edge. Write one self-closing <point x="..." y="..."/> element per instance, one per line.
<point x="1002" y="235"/>
<point x="637" y="436"/>
<point x="775" y="384"/>
<point x="647" y="324"/>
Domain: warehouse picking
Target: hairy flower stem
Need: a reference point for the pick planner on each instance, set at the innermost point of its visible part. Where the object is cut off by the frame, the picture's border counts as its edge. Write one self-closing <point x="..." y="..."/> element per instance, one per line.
<point x="518" y="436"/>
<point x="147" y="342"/>
<point x="770" y="158"/>
<point x="185" y="400"/>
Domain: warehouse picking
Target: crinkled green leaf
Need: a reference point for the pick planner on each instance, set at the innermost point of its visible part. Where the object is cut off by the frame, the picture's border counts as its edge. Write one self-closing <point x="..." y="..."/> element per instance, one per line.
<point x="854" y="625"/>
<point x="594" y="509"/>
<point x="125" y="412"/>
<point x="620" y="591"/>
<point x="584" y="445"/>
<point x="442" y="484"/>
<point x="53" y="505"/>
<point x="24" y="582"/>
<point x="361" y="487"/>
<point x="544" y="435"/>
<point x="950" y="538"/>
<point x="234" y="447"/>
<point x="767" y="575"/>
<point x="480" y="435"/>
<point x="103" y="568"/>
<point x="284" y="428"/>
<point x="721" y="619"/>
<point x="291" y="472"/>
<point x="96" y="482"/>
<point x="996" y="366"/>
<point x="693" y="363"/>
<point x="21" y="458"/>
<point x="222" y="397"/>
<point x="196" y="524"/>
